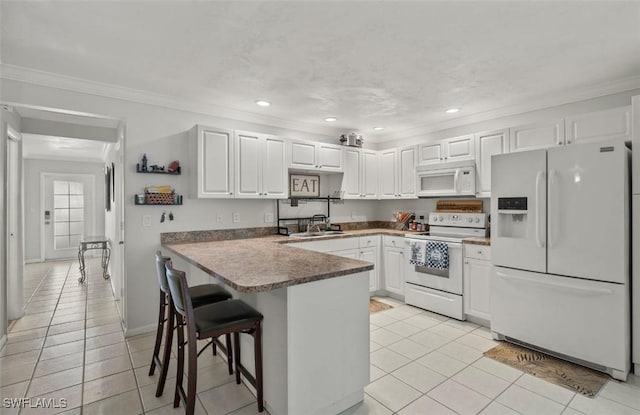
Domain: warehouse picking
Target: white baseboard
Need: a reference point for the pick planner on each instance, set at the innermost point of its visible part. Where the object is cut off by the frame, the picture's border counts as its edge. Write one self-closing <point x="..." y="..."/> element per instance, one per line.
<point x="3" y="341"/>
<point x="140" y="330"/>
<point x="33" y="261"/>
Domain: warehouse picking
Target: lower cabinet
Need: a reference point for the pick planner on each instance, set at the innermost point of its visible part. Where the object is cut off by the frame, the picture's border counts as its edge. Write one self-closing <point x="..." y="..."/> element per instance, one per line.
<point x="394" y="266"/>
<point x="477" y="276"/>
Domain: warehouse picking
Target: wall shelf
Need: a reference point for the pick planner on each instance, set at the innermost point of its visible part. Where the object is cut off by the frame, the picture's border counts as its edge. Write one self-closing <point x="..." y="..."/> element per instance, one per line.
<point x="136" y="202"/>
<point x="174" y="173"/>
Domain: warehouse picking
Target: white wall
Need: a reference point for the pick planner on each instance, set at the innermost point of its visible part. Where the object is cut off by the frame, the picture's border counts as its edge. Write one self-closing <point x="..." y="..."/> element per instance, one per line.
<point x="12" y="119"/>
<point x="33" y="219"/>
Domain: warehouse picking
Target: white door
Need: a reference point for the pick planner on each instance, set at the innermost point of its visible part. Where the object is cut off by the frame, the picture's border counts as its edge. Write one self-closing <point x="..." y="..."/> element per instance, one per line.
<point x="477" y="288"/>
<point x="388" y="174"/>
<point x="352" y="172"/>
<point x="69" y="212"/>
<point x="274" y="168"/>
<point x="488" y="145"/>
<point x="588" y="200"/>
<point x="14" y="230"/>
<point x="407" y="172"/>
<point x="370" y="174"/>
<point x="536" y="136"/>
<point x="303" y="155"/>
<point x="459" y="148"/>
<point x="329" y="157"/>
<point x="518" y="234"/>
<point x="248" y="165"/>
<point x="394" y="270"/>
<point x="430" y="153"/>
<point x="215" y="163"/>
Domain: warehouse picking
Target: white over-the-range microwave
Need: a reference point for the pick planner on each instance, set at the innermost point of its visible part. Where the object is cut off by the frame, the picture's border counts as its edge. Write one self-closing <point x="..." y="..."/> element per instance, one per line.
<point x="447" y="179"/>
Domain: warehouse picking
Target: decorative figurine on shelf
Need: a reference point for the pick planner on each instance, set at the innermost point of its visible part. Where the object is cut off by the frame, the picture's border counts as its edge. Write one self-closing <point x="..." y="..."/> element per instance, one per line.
<point x="144" y="162"/>
<point x="174" y="166"/>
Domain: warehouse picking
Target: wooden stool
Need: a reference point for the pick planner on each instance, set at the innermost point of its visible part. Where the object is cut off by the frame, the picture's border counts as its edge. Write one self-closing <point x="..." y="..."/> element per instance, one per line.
<point x="210" y="321"/>
<point x="200" y="295"/>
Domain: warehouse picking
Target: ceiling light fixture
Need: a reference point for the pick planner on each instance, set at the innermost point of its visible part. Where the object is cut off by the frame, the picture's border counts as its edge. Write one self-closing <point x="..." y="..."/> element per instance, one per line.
<point x="452" y="110"/>
<point x="331" y="119"/>
<point x="378" y="128"/>
<point x="263" y="103"/>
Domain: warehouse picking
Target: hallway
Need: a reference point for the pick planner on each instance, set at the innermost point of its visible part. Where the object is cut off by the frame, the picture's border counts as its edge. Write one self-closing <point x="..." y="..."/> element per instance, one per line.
<point x="70" y="349"/>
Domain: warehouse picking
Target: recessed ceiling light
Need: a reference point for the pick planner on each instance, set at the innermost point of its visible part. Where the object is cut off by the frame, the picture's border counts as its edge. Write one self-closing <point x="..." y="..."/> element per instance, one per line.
<point x="378" y="128"/>
<point x="331" y="119"/>
<point x="263" y="103"/>
<point x="452" y="110"/>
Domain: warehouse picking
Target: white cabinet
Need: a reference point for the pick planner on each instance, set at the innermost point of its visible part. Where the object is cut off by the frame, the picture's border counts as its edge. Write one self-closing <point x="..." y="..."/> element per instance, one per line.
<point x="360" y="179"/>
<point x="398" y="173"/>
<point x="370" y="252"/>
<point x="450" y="149"/>
<point x="394" y="264"/>
<point x="599" y="125"/>
<point x="487" y="145"/>
<point x="477" y="276"/>
<point x="536" y="136"/>
<point x="260" y="166"/>
<point x="211" y="162"/>
<point x="309" y="155"/>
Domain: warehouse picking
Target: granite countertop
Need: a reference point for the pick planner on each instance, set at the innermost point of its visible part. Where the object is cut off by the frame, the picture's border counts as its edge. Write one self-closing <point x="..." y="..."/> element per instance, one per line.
<point x="267" y="262"/>
<point x="478" y="241"/>
<point x="263" y="264"/>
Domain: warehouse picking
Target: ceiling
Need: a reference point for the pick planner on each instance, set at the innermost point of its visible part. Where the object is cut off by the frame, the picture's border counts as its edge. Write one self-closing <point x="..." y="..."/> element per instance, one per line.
<point x="392" y="64"/>
<point x="35" y="146"/>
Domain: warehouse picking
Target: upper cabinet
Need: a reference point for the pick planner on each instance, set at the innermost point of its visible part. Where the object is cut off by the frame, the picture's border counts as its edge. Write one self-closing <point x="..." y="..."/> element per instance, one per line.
<point x="211" y="162"/>
<point x="398" y="173"/>
<point x="487" y="145"/>
<point x="450" y="149"/>
<point x="260" y="166"/>
<point x="536" y="136"/>
<point x="309" y="155"/>
<point x="600" y="125"/>
<point x="360" y="179"/>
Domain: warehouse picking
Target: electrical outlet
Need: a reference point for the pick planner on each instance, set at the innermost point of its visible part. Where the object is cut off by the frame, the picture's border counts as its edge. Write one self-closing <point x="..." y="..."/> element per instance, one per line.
<point x="354" y="214"/>
<point x="236" y="217"/>
<point x="146" y="221"/>
<point x="219" y="218"/>
<point x="268" y="217"/>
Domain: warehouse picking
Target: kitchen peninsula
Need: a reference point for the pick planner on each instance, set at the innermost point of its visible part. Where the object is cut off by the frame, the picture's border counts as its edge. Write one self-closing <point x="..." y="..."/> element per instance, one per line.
<point x="316" y="318"/>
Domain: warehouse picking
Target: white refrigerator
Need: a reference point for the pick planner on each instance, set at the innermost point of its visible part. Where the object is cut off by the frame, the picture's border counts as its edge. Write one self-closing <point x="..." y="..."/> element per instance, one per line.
<point x="635" y="286"/>
<point x="560" y="246"/>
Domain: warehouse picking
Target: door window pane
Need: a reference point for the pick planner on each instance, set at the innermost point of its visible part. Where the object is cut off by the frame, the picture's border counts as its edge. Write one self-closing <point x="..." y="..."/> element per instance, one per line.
<point x="68" y="216"/>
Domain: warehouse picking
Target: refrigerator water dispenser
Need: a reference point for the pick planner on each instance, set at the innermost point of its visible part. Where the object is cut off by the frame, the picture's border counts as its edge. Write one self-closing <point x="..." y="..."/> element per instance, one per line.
<point x="512" y="217"/>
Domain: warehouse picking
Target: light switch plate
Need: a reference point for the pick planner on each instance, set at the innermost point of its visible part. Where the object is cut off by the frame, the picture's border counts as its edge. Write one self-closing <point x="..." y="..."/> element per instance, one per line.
<point x="146" y="221"/>
<point x="268" y="217"/>
<point x="236" y="217"/>
<point x="219" y="218"/>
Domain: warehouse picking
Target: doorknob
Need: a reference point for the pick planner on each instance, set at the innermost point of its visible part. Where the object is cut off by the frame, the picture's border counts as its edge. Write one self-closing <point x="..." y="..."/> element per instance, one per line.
<point x="121" y="243"/>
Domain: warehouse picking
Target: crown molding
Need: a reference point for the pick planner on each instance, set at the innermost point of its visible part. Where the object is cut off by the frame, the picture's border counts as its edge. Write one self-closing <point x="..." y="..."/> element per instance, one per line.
<point x="576" y="95"/>
<point x="53" y="80"/>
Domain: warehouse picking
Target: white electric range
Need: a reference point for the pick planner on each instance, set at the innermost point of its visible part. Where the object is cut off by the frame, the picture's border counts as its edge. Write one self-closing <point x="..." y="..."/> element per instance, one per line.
<point x="440" y="290"/>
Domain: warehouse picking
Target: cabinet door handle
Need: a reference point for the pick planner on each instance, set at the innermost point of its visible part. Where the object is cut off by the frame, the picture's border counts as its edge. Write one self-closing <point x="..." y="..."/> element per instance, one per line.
<point x="480" y="252"/>
<point x="466" y="262"/>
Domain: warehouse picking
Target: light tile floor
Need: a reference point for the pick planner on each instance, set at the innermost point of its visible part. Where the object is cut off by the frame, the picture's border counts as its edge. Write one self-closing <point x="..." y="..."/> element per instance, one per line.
<point x="424" y="363"/>
<point x="70" y="344"/>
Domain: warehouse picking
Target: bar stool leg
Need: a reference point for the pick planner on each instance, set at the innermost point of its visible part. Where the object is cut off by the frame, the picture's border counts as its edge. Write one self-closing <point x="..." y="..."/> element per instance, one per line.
<point x="236" y="346"/>
<point x="192" y="374"/>
<point x="159" y="332"/>
<point x="180" y="372"/>
<point x="257" y="343"/>
<point x="229" y="353"/>
<point x="166" y="356"/>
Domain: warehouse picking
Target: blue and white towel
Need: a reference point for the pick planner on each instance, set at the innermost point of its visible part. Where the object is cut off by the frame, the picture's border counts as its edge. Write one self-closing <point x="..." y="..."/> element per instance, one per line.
<point x="418" y="252"/>
<point x="437" y="255"/>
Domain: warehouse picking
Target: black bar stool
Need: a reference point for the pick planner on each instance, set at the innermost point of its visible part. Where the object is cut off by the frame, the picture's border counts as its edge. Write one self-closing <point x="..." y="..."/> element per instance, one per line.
<point x="200" y="295"/>
<point x="210" y="321"/>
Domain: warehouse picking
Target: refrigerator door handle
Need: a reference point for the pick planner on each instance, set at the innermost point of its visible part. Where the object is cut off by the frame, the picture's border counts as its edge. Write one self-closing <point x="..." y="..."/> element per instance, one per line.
<point x="456" y="180"/>
<point x="564" y="287"/>
<point x="550" y="203"/>
<point x="539" y="178"/>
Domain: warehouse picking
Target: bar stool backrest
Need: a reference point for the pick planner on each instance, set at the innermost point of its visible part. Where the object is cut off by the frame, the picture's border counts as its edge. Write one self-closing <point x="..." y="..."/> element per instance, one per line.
<point x="161" y="271"/>
<point x="179" y="290"/>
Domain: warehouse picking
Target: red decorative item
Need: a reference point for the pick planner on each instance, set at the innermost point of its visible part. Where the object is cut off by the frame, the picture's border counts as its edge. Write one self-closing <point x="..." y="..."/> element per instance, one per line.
<point x="173" y="166"/>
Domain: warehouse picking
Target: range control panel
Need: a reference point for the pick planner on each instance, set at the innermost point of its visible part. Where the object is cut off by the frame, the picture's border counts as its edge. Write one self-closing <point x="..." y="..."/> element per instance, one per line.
<point x="460" y="220"/>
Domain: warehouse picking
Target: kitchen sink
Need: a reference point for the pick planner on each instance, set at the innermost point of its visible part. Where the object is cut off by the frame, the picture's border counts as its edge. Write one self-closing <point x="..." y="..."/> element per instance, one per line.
<point x="315" y="234"/>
